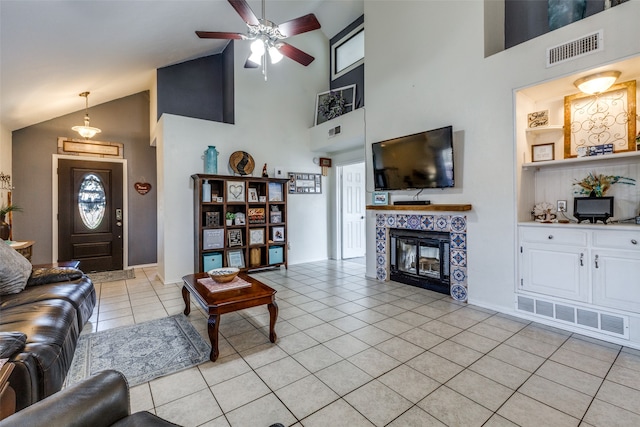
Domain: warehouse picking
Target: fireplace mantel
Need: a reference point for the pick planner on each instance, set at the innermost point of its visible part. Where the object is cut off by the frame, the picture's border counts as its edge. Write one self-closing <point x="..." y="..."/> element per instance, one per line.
<point x="443" y="207"/>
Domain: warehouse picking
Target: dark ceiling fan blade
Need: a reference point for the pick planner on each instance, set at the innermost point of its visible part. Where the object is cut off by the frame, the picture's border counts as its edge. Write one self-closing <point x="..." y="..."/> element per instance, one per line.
<point x="220" y="35"/>
<point x="245" y="12"/>
<point x="299" y="25"/>
<point x="294" y="53"/>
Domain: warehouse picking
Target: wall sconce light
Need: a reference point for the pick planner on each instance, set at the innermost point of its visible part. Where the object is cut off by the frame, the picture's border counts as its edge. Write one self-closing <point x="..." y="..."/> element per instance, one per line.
<point x="86" y="131"/>
<point x="597" y="83"/>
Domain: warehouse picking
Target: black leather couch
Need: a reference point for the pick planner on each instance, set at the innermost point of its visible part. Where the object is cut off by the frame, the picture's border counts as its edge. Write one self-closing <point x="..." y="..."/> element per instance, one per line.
<point x="39" y="330"/>
<point x="99" y="401"/>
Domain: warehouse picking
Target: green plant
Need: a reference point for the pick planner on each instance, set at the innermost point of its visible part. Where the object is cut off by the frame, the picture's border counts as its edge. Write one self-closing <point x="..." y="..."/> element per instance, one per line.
<point x="597" y="185"/>
<point x="9" y="208"/>
<point x="230" y="215"/>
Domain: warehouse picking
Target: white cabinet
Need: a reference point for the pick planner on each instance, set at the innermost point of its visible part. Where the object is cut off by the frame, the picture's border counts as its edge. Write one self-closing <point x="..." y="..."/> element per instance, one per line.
<point x="616" y="270"/>
<point x="553" y="262"/>
<point x="579" y="263"/>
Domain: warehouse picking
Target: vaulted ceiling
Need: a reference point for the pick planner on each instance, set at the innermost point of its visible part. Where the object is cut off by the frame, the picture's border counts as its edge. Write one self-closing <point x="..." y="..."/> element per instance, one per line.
<point x="50" y="51"/>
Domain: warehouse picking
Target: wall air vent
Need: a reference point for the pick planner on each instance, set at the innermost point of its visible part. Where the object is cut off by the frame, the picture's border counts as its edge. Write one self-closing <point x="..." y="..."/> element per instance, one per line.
<point x="576" y="48"/>
<point x="591" y="319"/>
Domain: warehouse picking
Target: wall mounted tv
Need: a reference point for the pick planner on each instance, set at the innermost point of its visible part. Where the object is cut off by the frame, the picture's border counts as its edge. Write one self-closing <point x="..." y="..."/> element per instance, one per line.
<point x="421" y="160"/>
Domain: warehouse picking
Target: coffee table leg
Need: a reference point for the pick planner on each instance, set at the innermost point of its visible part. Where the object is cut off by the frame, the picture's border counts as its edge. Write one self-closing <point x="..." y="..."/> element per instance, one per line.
<point x="273" y="316"/>
<point x="187" y="301"/>
<point x="212" y="327"/>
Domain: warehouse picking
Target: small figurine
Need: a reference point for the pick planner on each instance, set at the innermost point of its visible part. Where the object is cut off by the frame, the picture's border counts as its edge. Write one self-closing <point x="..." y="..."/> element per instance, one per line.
<point x="264" y="171"/>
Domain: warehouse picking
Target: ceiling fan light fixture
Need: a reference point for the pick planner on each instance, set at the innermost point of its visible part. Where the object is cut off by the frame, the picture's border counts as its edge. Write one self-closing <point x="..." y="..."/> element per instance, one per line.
<point x="274" y="55"/>
<point x="86" y="131"/>
<point x="257" y="47"/>
<point x="597" y="83"/>
<point x="256" y="58"/>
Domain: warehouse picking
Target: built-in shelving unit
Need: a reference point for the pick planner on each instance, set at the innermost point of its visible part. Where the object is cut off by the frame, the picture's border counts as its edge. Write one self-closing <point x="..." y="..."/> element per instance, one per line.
<point x="257" y="236"/>
<point x="577" y="160"/>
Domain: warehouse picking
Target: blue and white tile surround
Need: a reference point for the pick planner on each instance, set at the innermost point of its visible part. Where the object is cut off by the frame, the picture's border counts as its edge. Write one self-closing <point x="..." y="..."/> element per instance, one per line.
<point x="455" y="225"/>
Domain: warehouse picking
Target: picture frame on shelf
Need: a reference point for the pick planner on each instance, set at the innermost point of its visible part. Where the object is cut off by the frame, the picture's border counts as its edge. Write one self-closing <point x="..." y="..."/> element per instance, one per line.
<point x="253" y="195"/>
<point x="256" y="236"/>
<point x="235" y="191"/>
<point x="235" y="258"/>
<point x="380" y="198"/>
<point x="543" y="152"/>
<point x="275" y="192"/>
<point x="240" y="218"/>
<point x="234" y="237"/>
<point x="538" y="119"/>
<point x="257" y="216"/>
<point x="277" y="234"/>
<point x="213" y="239"/>
<point x="334" y="103"/>
<point x="275" y="217"/>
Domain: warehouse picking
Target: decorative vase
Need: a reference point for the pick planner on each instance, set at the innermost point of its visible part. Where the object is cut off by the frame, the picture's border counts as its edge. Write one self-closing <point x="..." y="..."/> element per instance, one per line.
<point x="5" y="229"/>
<point x="211" y="160"/>
<point x="206" y="191"/>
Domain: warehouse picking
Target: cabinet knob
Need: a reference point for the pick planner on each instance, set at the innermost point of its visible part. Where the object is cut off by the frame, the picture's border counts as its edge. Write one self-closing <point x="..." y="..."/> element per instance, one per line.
<point x="550" y="236"/>
<point x="634" y="242"/>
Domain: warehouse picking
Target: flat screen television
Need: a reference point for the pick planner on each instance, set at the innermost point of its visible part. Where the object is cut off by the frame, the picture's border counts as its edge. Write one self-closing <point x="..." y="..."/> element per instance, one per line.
<point x="421" y="160"/>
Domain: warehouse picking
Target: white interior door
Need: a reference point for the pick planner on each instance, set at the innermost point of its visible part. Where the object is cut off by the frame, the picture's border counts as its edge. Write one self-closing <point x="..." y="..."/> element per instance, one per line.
<point x="353" y="210"/>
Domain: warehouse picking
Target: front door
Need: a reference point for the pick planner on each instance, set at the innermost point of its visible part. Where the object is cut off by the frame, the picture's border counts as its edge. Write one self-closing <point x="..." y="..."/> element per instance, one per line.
<point x="353" y="211"/>
<point x="90" y="214"/>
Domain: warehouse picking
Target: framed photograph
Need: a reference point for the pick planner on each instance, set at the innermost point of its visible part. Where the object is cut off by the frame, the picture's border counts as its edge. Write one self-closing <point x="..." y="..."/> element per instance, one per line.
<point x="277" y="234"/>
<point x="240" y="218"/>
<point x="334" y="103"/>
<point x="538" y="119"/>
<point x="275" y="192"/>
<point x="253" y="195"/>
<point x="256" y="236"/>
<point x="234" y="237"/>
<point x="235" y="258"/>
<point x="615" y="109"/>
<point x="235" y="191"/>
<point x="275" y="217"/>
<point x="380" y="197"/>
<point x="542" y="152"/>
<point x="305" y="183"/>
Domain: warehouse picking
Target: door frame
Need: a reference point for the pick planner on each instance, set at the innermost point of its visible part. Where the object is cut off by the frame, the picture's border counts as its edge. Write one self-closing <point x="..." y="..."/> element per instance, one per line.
<point x="54" y="202"/>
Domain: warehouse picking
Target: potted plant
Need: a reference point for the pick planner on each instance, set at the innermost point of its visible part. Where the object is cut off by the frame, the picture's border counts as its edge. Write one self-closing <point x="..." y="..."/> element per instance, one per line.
<point x="230" y="216"/>
<point x="5" y="229"/>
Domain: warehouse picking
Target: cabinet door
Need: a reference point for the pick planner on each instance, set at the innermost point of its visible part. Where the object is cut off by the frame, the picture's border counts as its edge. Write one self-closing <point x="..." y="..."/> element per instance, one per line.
<point x="616" y="279"/>
<point x="555" y="270"/>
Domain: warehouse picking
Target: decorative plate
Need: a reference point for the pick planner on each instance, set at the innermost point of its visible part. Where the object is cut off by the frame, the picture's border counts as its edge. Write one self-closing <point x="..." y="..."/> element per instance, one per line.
<point x="241" y="162"/>
<point x="459" y="292"/>
<point x="541" y="210"/>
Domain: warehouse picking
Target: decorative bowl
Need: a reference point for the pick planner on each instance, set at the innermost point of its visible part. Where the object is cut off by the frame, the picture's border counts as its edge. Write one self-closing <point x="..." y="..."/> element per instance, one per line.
<point x="223" y="275"/>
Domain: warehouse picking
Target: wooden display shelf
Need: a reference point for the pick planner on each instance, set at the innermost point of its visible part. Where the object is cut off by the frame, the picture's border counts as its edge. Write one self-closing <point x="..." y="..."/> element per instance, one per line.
<point x="443" y="207"/>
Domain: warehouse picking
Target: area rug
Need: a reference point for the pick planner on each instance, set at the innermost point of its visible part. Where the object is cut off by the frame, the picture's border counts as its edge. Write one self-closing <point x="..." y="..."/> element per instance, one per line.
<point x="111" y="276"/>
<point x="141" y="352"/>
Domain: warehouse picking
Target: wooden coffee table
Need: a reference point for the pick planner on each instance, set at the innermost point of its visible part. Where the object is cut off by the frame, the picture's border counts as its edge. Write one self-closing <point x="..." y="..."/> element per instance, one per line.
<point x="218" y="303"/>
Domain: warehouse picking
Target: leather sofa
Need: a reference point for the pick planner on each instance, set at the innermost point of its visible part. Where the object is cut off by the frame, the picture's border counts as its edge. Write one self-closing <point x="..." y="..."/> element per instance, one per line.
<point x="99" y="401"/>
<point x="40" y="327"/>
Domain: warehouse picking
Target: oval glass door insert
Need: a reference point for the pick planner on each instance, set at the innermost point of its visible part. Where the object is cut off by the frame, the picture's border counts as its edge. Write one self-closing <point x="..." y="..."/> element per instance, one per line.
<point x="92" y="201"/>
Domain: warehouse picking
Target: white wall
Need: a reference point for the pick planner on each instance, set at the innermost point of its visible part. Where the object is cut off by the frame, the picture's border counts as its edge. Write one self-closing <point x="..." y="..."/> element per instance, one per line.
<point x="5" y="158"/>
<point x="272" y="124"/>
<point x="431" y="73"/>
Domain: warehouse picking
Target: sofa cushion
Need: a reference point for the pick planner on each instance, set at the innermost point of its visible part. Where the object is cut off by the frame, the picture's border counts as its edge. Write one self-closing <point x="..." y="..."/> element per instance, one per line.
<point x="14" y="270"/>
<point x="11" y="343"/>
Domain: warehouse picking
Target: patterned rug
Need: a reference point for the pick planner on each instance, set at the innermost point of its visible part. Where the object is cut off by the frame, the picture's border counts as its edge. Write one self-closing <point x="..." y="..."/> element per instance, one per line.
<point x="141" y="352"/>
<point x="111" y="276"/>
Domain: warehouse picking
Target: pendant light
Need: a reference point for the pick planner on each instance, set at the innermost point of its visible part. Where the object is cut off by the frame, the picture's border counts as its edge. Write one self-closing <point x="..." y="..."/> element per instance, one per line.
<point x="86" y="131"/>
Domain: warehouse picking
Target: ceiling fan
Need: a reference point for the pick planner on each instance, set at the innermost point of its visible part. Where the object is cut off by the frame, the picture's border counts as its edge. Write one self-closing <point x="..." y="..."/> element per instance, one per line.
<point x="267" y="36"/>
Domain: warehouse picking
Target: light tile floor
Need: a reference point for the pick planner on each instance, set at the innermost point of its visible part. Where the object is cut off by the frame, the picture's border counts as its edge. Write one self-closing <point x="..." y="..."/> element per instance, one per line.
<point x="358" y="352"/>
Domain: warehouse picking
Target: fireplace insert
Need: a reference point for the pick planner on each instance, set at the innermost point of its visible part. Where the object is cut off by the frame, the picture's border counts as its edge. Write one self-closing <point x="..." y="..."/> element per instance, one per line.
<point x="420" y="258"/>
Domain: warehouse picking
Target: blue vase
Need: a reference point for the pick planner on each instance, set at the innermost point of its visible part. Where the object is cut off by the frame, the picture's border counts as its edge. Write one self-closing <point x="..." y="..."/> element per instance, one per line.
<point x="211" y="160"/>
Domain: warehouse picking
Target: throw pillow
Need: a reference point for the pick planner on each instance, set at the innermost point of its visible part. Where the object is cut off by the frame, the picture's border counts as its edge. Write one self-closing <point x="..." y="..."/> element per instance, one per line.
<point x="45" y="275"/>
<point x="14" y="270"/>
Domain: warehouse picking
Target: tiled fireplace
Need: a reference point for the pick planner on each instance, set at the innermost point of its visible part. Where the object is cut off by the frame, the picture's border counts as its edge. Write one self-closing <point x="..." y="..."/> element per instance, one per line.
<point x="455" y="225"/>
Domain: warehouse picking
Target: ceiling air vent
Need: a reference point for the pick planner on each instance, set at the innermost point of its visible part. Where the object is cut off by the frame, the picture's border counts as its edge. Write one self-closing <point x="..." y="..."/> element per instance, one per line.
<point x="575" y="48"/>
